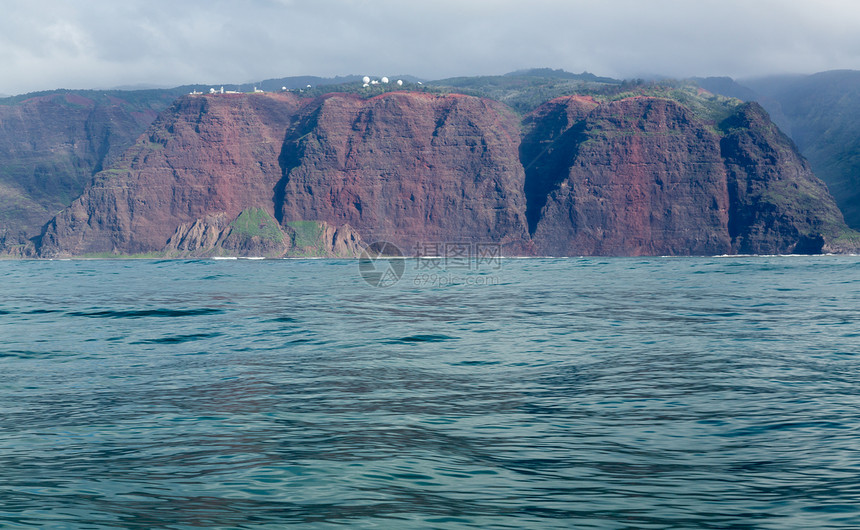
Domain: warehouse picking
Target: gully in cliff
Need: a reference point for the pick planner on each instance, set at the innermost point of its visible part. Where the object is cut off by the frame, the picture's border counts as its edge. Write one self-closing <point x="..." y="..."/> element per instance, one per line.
<point x="277" y="175"/>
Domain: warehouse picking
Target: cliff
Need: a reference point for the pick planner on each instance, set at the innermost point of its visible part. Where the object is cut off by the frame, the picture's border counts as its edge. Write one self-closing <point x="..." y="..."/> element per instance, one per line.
<point x="275" y="174"/>
<point x="52" y="144"/>
<point x="648" y="176"/>
<point x="819" y="112"/>
<point x="408" y="168"/>
<point x="777" y="205"/>
<point x="203" y="156"/>
<point x="639" y="176"/>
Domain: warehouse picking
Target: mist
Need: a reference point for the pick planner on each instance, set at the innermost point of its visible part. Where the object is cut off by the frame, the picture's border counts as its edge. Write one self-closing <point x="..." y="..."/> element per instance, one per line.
<point x="53" y="44"/>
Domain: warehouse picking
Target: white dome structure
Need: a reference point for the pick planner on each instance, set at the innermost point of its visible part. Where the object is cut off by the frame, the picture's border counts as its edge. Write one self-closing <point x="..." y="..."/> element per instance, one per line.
<point x="399" y="82"/>
<point x="385" y="80"/>
<point x="366" y="80"/>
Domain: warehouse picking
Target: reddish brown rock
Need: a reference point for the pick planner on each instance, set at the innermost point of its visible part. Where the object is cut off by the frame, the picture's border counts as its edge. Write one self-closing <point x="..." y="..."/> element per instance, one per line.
<point x="268" y="174"/>
<point x="639" y="176"/>
<point x="408" y="168"/>
<point x="778" y="206"/>
<point x="51" y="145"/>
<point x="205" y="156"/>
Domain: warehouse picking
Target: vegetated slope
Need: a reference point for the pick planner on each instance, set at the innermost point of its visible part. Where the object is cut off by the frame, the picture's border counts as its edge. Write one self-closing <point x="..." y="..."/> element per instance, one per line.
<point x="52" y="143"/>
<point x="525" y="90"/>
<point x="821" y="113"/>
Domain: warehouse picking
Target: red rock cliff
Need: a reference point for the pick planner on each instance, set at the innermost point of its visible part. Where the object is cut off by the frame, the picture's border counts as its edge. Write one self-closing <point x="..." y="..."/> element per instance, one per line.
<point x="408" y="168"/>
<point x="204" y="156"/>
<point x="267" y="173"/>
<point x="639" y="176"/>
<point x="51" y="145"/>
<point x="412" y="168"/>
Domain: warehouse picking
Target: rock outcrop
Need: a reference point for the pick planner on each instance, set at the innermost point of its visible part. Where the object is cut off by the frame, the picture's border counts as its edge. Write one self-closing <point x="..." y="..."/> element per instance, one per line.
<point x="640" y="176"/>
<point x="408" y="168"/>
<point x="778" y="206"/>
<point x="52" y="144"/>
<point x="255" y="233"/>
<point x="275" y="174"/>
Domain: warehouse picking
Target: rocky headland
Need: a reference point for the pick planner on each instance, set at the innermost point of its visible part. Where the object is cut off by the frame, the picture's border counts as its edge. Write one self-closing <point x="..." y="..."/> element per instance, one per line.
<point x="279" y="174"/>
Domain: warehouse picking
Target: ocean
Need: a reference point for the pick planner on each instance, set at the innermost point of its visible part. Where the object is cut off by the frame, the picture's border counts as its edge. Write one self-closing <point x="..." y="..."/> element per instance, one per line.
<point x="509" y="393"/>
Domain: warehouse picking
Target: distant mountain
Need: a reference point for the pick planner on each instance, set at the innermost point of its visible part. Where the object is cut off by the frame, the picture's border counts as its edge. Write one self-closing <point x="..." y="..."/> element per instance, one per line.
<point x="728" y="87"/>
<point x="525" y="90"/>
<point x="549" y="73"/>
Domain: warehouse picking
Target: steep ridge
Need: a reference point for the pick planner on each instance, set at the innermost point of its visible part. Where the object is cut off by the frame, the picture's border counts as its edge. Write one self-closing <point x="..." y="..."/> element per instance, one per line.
<point x="52" y="144"/>
<point x="819" y="112"/>
<point x="552" y="136"/>
<point x="777" y="203"/>
<point x="642" y="176"/>
<point x="275" y="174"/>
<point x="410" y="169"/>
<point x="822" y="110"/>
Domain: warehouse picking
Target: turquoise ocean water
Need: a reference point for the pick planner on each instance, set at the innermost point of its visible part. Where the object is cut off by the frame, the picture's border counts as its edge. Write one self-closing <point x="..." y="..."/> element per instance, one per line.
<point x="539" y="393"/>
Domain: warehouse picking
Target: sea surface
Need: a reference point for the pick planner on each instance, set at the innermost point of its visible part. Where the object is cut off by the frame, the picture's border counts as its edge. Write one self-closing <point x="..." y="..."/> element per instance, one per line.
<point x="533" y="393"/>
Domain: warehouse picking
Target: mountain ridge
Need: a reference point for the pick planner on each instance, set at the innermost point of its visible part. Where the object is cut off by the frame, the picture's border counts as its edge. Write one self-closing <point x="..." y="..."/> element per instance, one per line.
<point x="415" y="167"/>
<point x="819" y="112"/>
<point x="98" y="132"/>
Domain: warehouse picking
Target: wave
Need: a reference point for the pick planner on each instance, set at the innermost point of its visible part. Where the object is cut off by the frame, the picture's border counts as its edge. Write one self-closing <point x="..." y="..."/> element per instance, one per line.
<point x="143" y="313"/>
<point x="421" y="338"/>
<point x="179" y="339"/>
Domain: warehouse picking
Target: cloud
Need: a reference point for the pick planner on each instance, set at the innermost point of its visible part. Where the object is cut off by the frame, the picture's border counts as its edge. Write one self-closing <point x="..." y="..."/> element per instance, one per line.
<point x="47" y="44"/>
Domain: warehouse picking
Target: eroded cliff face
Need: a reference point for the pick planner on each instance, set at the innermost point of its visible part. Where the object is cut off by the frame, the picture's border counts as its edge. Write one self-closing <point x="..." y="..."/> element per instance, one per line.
<point x="275" y="174"/>
<point x="777" y="205"/>
<point x="408" y="168"/>
<point x="204" y="157"/>
<point x="51" y="145"/>
<point x="639" y="176"/>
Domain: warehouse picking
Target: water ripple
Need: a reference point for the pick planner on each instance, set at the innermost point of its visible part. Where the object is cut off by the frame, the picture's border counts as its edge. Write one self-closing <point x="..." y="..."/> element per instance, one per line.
<point x="584" y="393"/>
<point x="143" y="313"/>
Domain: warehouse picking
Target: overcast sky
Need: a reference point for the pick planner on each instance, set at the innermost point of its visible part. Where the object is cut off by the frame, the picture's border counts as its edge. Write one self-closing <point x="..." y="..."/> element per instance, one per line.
<point x="47" y="44"/>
